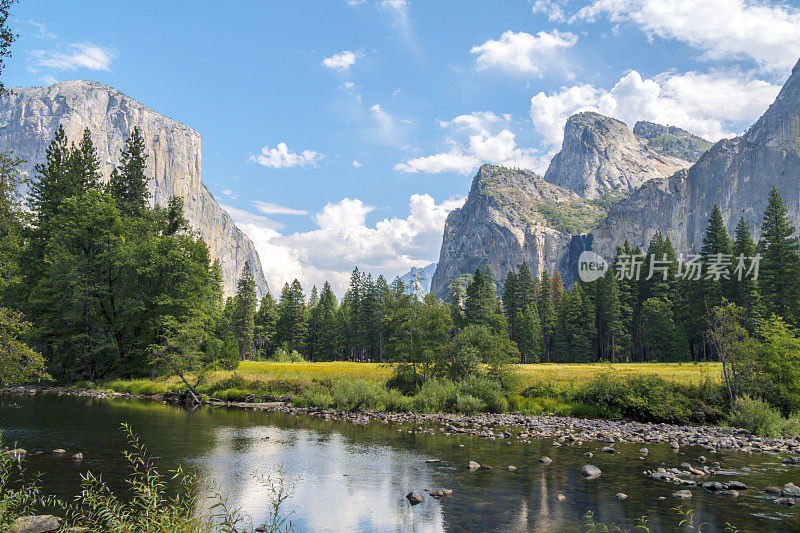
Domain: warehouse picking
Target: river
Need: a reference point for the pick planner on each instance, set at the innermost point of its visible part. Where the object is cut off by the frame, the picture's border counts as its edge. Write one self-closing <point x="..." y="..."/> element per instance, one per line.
<point x="349" y="477"/>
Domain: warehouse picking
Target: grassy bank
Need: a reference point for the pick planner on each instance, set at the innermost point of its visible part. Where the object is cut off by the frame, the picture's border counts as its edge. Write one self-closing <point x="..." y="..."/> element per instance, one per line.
<point x="681" y="393"/>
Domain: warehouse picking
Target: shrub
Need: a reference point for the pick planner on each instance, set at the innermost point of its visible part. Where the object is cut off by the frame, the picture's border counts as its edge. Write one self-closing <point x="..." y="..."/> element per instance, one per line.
<point x="314" y="398"/>
<point x="358" y="394"/>
<point x="436" y="396"/>
<point x="757" y="417"/>
<point x="485" y="389"/>
<point x="647" y="398"/>
<point x="468" y="404"/>
<point x="405" y="380"/>
<point x="282" y="355"/>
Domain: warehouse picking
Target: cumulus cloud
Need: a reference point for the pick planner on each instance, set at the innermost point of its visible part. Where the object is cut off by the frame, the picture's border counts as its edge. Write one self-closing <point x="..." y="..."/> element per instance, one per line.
<point x="282" y="157"/>
<point x="522" y="52"/>
<point x="765" y="31"/>
<point x="480" y="146"/>
<point x="341" y="61"/>
<point x="357" y="164"/>
<point x="712" y="105"/>
<point x="269" y="208"/>
<point x="77" y="55"/>
<point x="343" y="240"/>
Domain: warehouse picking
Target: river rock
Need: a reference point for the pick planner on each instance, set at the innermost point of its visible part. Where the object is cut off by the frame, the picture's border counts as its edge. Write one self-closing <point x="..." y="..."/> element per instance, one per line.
<point x="511" y="467"/>
<point x="644" y="451"/>
<point x="473" y="465"/>
<point x="730" y="492"/>
<point x="790" y="490"/>
<point x="622" y="496"/>
<point x="78" y="457"/>
<point x="59" y="451"/>
<point x="713" y="486"/>
<point x="737" y="485"/>
<point x="590" y="472"/>
<point x="588" y="454"/>
<point x="35" y="524"/>
<point x="785" y="501"/>
<point x="772" y="490"/>
<point x="682" y="494"/>
<point x="561" y="497"/>
<point x="414" y="498"/>
<point x="545" y="460"/>
<point x="608" y="449"/>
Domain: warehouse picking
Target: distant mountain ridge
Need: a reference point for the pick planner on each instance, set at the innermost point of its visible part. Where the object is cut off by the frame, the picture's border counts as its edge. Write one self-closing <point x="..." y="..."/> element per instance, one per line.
<point x="425" y="277"/>
<point x="504" y="220"/>
<point x="29" y="118"/>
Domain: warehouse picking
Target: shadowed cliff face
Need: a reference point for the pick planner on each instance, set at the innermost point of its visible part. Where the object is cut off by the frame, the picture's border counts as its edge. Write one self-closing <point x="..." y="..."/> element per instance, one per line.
<point x="735" y="174"/>
<point x="510" y="216"/>
<point x="600" y="155"/>
<point x="29" y="118"/>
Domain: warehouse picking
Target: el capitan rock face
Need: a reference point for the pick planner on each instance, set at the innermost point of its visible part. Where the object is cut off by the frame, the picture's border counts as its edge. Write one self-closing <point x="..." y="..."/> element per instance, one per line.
<point x="735" y="174"/>
<point x="510" y="216"/>
<point x="29" y="118"/>
<point x="600" y="156"/>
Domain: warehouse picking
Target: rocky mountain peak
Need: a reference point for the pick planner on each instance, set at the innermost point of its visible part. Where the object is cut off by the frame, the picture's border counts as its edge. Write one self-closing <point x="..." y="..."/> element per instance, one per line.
<point x="601" y="156"/>
<point x="671" y="140"/>
<point x="30" y="116"/>
<point x="779" y="126"/>
<point x="510" y="216"/>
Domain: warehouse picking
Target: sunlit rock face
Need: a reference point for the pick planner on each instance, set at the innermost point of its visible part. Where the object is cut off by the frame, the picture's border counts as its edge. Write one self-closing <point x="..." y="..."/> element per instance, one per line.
<point x="600" y="155"/>
<point x="29" y="118"/>
<point x="735" y="174"/>
<point x="510" y="216"/>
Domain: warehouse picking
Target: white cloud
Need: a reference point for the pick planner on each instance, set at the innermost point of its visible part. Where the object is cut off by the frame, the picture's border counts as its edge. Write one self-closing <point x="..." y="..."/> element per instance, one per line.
<point x="341" y="61"/>
<point x="480" y="146"/>
<point x="713" y="105"/>
<point x="765" y="31"/>
<point x="230" y="194"/>
<point x="269" y="208"/>
<point x="385" y="129"/>
<point x="357" y="164"/>
<point x="522" y="52"/>
<point x="476" y="121"/>
<point x="281" y="157"/>
<point x="79" y="55"/>
<point x="554" y="12"/>
<point x="344" y="240"/>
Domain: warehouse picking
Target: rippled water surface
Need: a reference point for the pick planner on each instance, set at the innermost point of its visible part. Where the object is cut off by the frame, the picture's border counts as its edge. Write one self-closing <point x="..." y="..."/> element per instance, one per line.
<point x="355" y="477"/>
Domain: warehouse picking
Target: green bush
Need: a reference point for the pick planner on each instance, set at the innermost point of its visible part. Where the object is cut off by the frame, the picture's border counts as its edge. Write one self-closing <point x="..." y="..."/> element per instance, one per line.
<point x="485" y="389"/>
<point x="358" y="394"/>
<point x="647" y="398"/>
<point x="757" y="417"/>
<point x="469" y="405"/>
<point x="405" y="380"/>
<point x="314" y="398"/>
<point x="436" y="396"/>
<point x="284" y="356"/>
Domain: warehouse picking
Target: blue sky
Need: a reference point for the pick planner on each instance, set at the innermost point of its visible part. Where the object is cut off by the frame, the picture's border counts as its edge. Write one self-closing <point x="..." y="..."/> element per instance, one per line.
<point x="342" y="132"/>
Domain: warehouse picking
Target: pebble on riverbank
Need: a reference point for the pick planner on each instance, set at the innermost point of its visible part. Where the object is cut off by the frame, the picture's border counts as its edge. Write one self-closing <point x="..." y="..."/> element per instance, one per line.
<point x="414" y="498"/>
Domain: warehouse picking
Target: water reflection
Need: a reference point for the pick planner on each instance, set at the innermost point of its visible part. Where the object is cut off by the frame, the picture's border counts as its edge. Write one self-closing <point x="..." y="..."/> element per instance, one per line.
<point x="355" y="477"/>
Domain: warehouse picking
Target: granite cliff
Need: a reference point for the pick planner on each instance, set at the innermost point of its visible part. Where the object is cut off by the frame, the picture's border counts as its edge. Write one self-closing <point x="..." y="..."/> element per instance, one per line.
<point x="510" y="216"/>
<point x="735" y="174"/>
<point x="28" y="121"/>
<point x="600" y="156"/>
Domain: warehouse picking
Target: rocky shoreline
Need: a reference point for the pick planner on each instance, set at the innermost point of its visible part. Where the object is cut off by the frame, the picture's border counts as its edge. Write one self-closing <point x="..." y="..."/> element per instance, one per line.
<point x="513" y="427"/>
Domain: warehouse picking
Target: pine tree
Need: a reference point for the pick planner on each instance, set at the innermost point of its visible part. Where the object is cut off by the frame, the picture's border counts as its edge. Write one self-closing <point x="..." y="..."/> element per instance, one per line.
<point x="244" y="312"/>
<point x="85" y="166"/>
<point x="547" y="316"/>
<point x="780" y="264"/>
<point x="745" y="291"/>
<point x="128" y="183"/>
<point x="324" y="335"/>
<point x="529" y="334"/>
<point x="482" y="307"/>
<point x="556" y="289"/>
<point x="264" y="326"/>
<point x="716" y="246"/>
<point x="292" y="317"/>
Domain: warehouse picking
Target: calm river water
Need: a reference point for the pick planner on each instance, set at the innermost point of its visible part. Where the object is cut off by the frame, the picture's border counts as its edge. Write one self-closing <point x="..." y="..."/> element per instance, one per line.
<point x="355" y="477"/>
